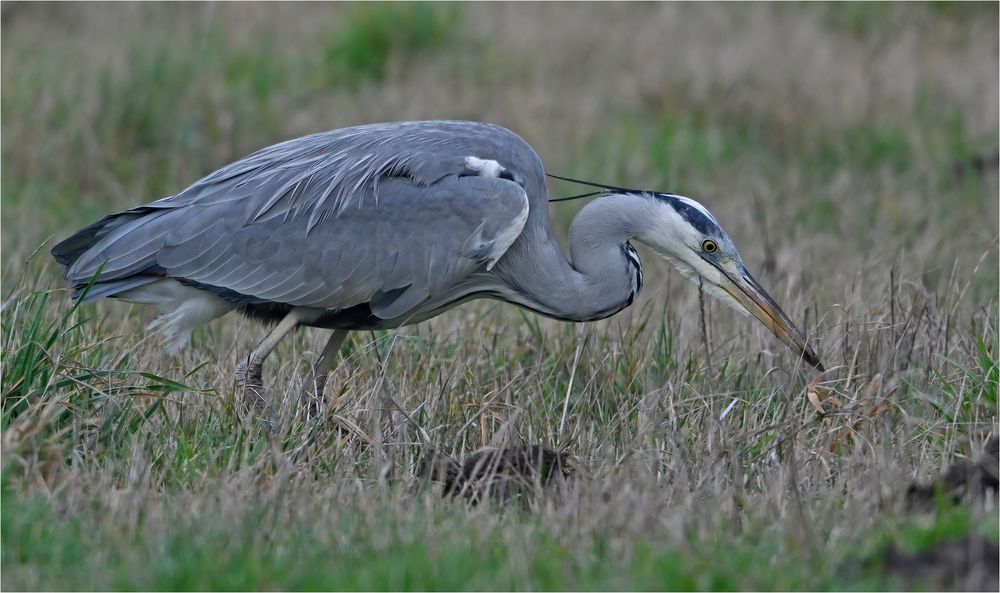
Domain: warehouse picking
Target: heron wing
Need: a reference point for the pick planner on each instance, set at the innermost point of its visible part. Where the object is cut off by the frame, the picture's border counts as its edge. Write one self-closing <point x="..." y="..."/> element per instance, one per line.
<point x="406" y="244"/>
<point x="386" y="213"/>
<point x="409" y="243"/>
<point x="321" y="176"/>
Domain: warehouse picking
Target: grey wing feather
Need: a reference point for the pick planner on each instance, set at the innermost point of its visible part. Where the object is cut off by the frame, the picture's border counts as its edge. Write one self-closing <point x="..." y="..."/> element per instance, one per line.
<point x="324" y="174"/>
<point x="387" y="213"/>
<point x="413" y="245"/>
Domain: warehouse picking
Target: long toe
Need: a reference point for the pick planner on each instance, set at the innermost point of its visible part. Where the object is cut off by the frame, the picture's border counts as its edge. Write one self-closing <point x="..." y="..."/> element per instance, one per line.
<point x="257" y="403"/>
<point x="311" y="399"/>
<point x="254" y="399"/>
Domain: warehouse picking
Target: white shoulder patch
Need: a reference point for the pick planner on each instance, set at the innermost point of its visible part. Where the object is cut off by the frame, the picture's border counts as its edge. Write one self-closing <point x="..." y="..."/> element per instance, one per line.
<point x="484" y="167"/>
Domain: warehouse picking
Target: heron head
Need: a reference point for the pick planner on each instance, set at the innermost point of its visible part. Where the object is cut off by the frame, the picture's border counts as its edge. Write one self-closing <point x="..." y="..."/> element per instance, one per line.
<point x="686" y="234"/>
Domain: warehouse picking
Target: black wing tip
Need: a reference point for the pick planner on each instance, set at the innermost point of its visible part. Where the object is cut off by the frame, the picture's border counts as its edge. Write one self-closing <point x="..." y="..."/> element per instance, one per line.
<point x="63" y="251"/>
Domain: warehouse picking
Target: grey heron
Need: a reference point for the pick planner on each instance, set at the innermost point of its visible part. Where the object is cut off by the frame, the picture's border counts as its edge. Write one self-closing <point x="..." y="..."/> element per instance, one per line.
<point x="384" y="225"/>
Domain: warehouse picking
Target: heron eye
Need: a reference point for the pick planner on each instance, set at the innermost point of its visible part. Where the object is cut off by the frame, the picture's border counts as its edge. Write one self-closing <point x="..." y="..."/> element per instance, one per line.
<point x="709" y="246"/>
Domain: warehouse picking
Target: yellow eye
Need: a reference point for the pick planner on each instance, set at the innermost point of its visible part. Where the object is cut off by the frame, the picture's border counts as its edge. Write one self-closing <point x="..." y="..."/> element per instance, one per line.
<point x="709" y="246"/>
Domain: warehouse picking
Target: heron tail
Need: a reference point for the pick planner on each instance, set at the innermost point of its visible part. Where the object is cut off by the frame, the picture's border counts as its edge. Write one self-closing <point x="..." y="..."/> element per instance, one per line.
<point x="83" y="254"/>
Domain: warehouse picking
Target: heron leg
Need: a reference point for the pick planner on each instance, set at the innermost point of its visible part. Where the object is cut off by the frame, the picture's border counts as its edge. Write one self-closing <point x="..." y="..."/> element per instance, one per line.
<point x="312" y="393"/>
<point x="249" y="371"/>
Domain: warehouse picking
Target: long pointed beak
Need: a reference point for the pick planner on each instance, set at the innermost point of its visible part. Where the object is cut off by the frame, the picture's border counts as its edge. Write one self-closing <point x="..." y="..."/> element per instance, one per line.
<point x="744" y="288"/>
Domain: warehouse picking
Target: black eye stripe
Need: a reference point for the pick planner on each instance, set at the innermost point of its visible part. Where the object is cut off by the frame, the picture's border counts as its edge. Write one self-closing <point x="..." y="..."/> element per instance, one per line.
<point x="693" y="216"/>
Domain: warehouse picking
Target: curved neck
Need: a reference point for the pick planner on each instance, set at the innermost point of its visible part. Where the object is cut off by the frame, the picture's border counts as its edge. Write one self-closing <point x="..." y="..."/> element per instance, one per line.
<point x="601" y="278"/>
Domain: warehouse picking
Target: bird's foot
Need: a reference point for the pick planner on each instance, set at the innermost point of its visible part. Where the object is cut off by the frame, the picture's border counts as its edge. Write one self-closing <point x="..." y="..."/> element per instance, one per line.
<point x="254" y="398"/>
<point x="311" y="400"/>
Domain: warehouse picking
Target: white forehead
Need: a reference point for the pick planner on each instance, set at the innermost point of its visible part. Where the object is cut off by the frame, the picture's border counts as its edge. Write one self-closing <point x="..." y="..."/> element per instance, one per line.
<point x="673" y="228"/>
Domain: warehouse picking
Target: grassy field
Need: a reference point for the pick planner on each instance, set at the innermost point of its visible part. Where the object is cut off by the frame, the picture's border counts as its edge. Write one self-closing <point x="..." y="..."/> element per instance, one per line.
<point x="850" y="150"/>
